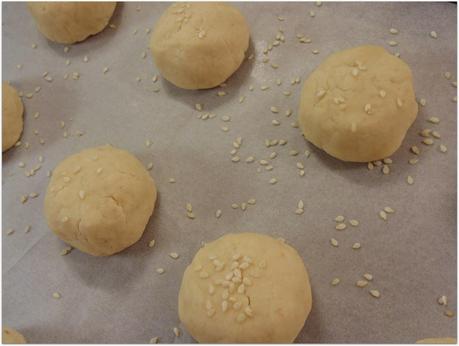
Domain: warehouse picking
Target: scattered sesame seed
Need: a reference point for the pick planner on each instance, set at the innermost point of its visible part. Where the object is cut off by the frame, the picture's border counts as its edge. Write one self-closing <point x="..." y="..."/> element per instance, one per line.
<point x="56" y="295"/>
<point x="436" y="134"/>
<point x="335" y="281"/>
<point x="410" y="180"/>
<point x="356" y="246"/>
<point x="174" y="255"/>
<point x="334" y="242"/>
<point x="274" y="109"/>
<point x="34" y="45"/>
<point x="160" y="270"/>
<point x="399" y="102"/>
<point x="422" y="102"/>
<point x="383" y="215"/>
<point x="315" y="51"/>
<point x="235" y="159"/>
<point x="221" y="93"/>
<point x="415" y="150"/>
<point x="433" y="34"/>
<point x="449" y="313"/>
<point x="354" y="223"/>
<point x="392" y="43"/>
<point x="340" y="226"/>
<point x="176" y="331"/>
<point x="361" y="283"/>
<point x="154" y="340"/>
<point x="375" y="293"/>
<point x="393" y="31"/>
<point x="33" y="195"/>
<point x="273" y="181"/>
<point x="149" y="166"/>
<point x="226" y="118"/>
<point x="386" y="169"/>
<point x="65" y="251"/>
<point x="275" y="122"/>
<point x="428" y="141"/>
<point x="10" y="231"/>
<point x="443" y="148"/>
<point x="433" y="120"/>
<point x="299" y="211"/>
<point x="293" y="152"/>
<point x="106" y="69"/>
<point x="339" y="218"/>
<point x="413" y="161"/>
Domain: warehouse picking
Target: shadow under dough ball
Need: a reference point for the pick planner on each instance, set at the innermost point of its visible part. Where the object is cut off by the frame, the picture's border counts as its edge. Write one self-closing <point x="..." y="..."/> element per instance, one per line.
<point x="70" y="22"/>
<point x="199" y="45"/>
<point x="100" y="200"/>
<point x="358" y="104"/>
<point x="245" y="288"/>
<point x="12" y="336"/>
<point x="12" y="121"/>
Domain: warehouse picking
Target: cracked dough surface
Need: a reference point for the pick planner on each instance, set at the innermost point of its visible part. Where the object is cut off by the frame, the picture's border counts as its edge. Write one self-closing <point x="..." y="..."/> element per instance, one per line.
<point x="100" y="200"/>
<point x="334" y="113"/>
<point x="70" y="22"/>
<point x="199" y="45"/>
<point x="12" y="121"/>
<point x="275" y="288"/>
<point x="12" y="336"/>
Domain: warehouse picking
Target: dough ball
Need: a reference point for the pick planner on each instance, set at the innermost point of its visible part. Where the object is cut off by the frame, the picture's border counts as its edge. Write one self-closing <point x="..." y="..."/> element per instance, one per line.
<point x="100" y="200"/>
<point x="358" y="104"/>
<point x="245" y="288"/>
<point x="11" y="336"/>
<point x="199" y="45"/>
<point x="70" y="22"/>
<point x="12" y="116"/>
<point x="437" y="341"/>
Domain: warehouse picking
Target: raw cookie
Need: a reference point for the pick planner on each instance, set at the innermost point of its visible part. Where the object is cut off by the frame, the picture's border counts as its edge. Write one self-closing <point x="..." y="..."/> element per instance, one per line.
<point x="437" y="341"/>
<point x="358" y="104"/>
<point x="12" y="116"/>
<point x="12" y="336"/>
<point x="199" y="45"/>
<point x="100" y="200"/>
<point x="245" y="288"/>
<point x="70" y="22"/>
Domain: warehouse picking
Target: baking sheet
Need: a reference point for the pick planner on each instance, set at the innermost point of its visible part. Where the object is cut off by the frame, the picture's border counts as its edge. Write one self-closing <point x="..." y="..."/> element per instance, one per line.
<point x="122" y="299"/>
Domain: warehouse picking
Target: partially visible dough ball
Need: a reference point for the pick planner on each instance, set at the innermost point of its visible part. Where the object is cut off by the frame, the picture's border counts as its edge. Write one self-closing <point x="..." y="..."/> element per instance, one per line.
<point x="100" y="200"/>
<point x="358" y="104"/>
<point x="199" y="45"/>
<point x="12" y="122"/>
<point x="12" y="336"/>
<point x="437" y="341"/>
<point x="70" y="22"/>
<point x="245" y="288"/>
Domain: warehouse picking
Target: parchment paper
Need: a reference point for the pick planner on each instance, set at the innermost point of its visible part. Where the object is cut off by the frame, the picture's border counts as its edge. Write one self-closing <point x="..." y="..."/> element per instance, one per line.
<point x="122" y="299"/>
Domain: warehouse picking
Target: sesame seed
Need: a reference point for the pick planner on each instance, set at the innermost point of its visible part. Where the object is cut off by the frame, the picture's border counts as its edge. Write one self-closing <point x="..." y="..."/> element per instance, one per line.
<point x="33" y="195"/>
<point x="293" y="152"/>
<point x="299" y="211"/>
<point x="449" y="313"/>
<point x="361" y="283"/>
<point x="335" y="281"/>
<point x="154" y="340"/>
<point x="415" y="150"/>
<point x="399" y="102"/>
<point x="275" y="122"/>
<point x="241" y="99"/>
<point x="386" y="169"/>
<point x="443" y="148"/>
<point x="176" y="331"/>
<point x="443" y="300"/>
<point x="273" y="181"/>
<point x="160" y="270"/>
<point x="65" y="251"/>
<point x="106" y="69"/>
<point x="34" y="45"/>
<point x="286" y="93"/>
<point x="355" y="72"/>
<point x="250" y="159"/>
<point x="221" y="93"/>
<point x="410" y="180"/>
<point x="264" y="87"/>
<point x="28" y="228"/>
<point x="375" y="293"/>
<point x="433" y="34"/>
<point x="174" y="255"/>
<point x="392" y="43"/>
<point x="315" y="51"/>
<point x="334" y="242"/>
<point x="149" y="166"/>
<point x="151" y="243"/>
<point x="339" y="218"/>
<point x="370" y="166"/>
<point x="312" y="14"/>
<point x="383" y="215"/>
<point x="367" y="108"/>
<point x="413" y="161"/>
<point x="235" y="159"/>
<point x="393" y="31"/>
<point x="340" y="226"/>
<point x="234" y="206"/>
<point x="356" y="246"/>
<point x="368" y="276"/>
<point x="10" y="231"/>
<point x="56" y="295"/>
<point x="354" y="223"/>
<point x="436" y="134"/>
<point x="428" y="141"/>
<point x="274" y="109"/>
<point x="433" y="120"/>
<point x="422" y="102"/>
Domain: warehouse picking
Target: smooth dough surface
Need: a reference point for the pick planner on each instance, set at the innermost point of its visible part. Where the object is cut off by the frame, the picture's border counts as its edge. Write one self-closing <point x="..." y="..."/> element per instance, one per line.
<point x="12" y="120"/>
<point x="70" y="22"/>
<point x="358" y="104"/>
<point x="12" y="336"/>
<point x="100" y="200"/>
<point x="245" y="288"/>
<point x="437" y="341"/>
<point x="199" y="45"/>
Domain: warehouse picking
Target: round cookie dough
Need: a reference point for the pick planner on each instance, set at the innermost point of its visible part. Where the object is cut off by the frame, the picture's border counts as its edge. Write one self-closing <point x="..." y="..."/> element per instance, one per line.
<point x="12" y="121"/>
<point x="358" y="104"/>
<point x="12" y="336"/>
<point x="245" y="288"/>
<point x="70" y="22"/>
<point x="437" y="341"/>
<point x="199" y="45"/>
<point x="100" y="200"/>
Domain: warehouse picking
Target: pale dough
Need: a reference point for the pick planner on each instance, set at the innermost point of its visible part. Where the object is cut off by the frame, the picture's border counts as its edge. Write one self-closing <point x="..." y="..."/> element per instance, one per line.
<point x="70" y="22"/>
<point x="245" y="288"/>
<point x="12" y="336"/>
<point x="199" y="45"/>
<point x="12" y="121"/>
<point x="100" y="200"/>
<point x="437" y="341"/>
<point x="358" y="104"/>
